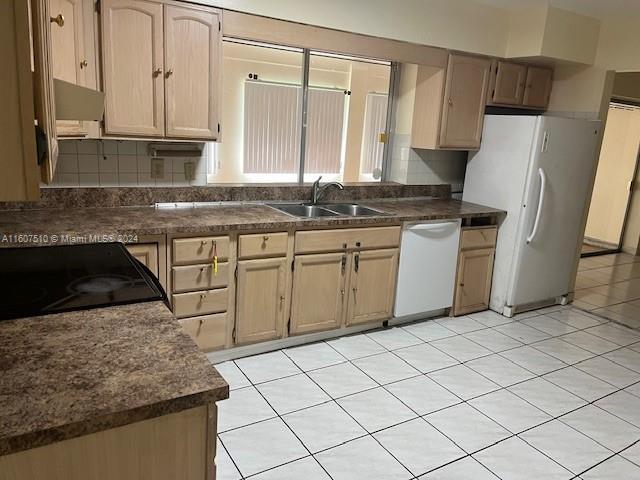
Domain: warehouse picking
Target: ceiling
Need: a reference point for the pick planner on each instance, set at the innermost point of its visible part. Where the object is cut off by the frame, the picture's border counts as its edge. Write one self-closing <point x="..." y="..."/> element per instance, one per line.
<point x="592" y="8"/>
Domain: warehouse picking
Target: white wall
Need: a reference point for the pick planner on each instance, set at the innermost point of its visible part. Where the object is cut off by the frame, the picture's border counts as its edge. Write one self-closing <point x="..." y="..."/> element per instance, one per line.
<point x="456" y="24"/>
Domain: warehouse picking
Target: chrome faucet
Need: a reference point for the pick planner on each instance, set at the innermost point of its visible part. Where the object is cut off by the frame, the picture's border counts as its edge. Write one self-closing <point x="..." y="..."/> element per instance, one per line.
<point x="317" y="191"/>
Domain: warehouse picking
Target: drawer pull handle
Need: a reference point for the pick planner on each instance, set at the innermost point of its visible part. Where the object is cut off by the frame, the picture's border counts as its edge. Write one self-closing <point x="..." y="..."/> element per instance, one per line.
<point x="203" y="296"/>
<point x="204" y="269"/>
<point x="265" y="238"/>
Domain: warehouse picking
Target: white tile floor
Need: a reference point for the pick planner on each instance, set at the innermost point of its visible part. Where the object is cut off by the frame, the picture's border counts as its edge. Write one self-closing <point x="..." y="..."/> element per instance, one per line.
<point x="609" y="285"/>
<point x="552" y="395"/>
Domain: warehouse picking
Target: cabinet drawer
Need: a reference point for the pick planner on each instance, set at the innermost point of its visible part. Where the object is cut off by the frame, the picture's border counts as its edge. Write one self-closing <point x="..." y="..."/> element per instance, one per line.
<point x="208" y="331"/>
<point x="334" y="240"/>
<point x="199" y="277"/>
<point x="200" y="249"/>
<point x="200" y="303"/>
<point x="262" y="245"/>
<point x="479" y="238"/>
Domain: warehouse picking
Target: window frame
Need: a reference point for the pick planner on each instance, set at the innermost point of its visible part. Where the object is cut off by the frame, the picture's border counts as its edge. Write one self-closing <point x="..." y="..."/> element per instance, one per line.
<point x="304" y="104"/>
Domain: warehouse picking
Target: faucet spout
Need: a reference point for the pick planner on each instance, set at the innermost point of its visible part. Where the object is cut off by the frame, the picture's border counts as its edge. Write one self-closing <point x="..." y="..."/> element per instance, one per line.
<point x="318" y="191"/>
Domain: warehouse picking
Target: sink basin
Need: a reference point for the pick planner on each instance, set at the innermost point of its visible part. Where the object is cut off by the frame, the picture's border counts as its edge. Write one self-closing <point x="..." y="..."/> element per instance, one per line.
<point x="307" y="211"/>
<point x="353" y="210"/>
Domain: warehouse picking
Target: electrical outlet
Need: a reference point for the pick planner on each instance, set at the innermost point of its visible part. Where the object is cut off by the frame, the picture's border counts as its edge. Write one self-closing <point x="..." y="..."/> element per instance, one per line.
<point x="189" y="171"/>
<point x="157" y="167"/>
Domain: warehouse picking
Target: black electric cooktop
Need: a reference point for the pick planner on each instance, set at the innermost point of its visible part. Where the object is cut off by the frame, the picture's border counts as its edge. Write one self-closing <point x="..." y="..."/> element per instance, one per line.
<point x="43" y="280"/>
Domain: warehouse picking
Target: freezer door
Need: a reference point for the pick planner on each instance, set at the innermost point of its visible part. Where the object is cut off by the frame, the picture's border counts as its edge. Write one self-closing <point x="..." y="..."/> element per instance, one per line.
<point x="496" y="176"/>
<point x="555" y="201"/>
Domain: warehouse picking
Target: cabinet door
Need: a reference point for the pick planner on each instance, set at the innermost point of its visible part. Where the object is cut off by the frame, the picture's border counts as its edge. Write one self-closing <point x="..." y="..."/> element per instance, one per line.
<point x="475" y="268"/>
<point x="69" y="58"/>
<point x="538" y="87"/>
<point x="260" y="300"/>
<point x="147" y="254"/>
<point x="318" y="292"/>
<point x="20" y="179"/>
<point x="509" y="83"/>
<point x="132" y="56"/>
<point x="372" y="286"/>
<point x="192" y="72"/>
<point x="465" y="97"/>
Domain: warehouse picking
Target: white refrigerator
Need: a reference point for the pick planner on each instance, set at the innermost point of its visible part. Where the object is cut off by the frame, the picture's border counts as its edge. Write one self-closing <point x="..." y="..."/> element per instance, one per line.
<point x="537" y="169"/>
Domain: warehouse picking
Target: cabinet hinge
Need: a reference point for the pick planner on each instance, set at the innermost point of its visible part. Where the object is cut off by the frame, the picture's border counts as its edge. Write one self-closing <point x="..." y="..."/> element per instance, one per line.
<point x="219" y="26"/>
<point x="218" y="128"/>
<point x="233" y="334"/>
<point x="293" y="265"/>
<point x="289" y="325"/>
<point x="235" y="273"/>
<point x="97" y="6"/>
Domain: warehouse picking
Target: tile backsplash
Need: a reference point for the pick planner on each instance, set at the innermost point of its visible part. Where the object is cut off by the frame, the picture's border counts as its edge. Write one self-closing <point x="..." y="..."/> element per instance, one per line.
<point x="113" y="163"/>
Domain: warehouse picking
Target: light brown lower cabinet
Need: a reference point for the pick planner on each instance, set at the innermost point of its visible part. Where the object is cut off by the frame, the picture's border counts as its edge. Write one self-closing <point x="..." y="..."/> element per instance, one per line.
<point x="177" y="445"/>
<point x="372" y="286"/>
<point x="260" y="300"/>
<point x="335" y="289"/>
<point x="475" y="270"/>
<point x="208" y="331"/>
<point x="147" y="254"/>
<point x="319" y="283"/>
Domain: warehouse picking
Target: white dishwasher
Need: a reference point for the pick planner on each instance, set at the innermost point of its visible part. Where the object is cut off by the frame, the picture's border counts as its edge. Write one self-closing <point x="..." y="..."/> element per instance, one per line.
<point x="427" y="272"/>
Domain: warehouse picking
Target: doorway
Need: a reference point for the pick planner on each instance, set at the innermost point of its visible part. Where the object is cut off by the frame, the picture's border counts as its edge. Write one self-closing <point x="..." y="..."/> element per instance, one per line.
<point x="615" y="181"/>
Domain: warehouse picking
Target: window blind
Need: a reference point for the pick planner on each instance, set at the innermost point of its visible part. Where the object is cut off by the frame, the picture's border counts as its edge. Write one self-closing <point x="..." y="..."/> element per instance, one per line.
<point x="271" y="128"/>
<point x="375" y="123"/>
<point x="325" y="122"/>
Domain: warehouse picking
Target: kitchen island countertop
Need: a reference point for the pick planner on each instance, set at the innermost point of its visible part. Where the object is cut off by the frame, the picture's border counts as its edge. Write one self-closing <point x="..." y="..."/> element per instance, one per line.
<point x="71" y="374"/>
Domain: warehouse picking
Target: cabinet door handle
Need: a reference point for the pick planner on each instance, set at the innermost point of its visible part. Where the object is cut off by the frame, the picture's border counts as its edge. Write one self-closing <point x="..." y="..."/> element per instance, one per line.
<point x="169" y="73"/>
<point x="157" y="72"/>
<point x="356" y="262"/>
<point x="59" y="20"/>
<point x="281" y="301"/>
<point x="450" y="101"/>
<point x="84" y="64"/>
<point x="462" y="285"/>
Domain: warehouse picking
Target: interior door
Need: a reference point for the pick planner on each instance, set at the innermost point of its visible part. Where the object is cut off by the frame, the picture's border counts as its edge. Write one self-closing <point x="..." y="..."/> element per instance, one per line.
<point x="372" y="286"/>
<point x="614" y="179"/>
<point x="261" y="299"/>
<point x="132" y="57"/>
<point x="554" y="206"/>
<point x="465" y="97"/>
<point x="69" y="59"/>
<point x="192" y="76"/>
<point x="509" y="83"/>
<point x="319" y="283"/>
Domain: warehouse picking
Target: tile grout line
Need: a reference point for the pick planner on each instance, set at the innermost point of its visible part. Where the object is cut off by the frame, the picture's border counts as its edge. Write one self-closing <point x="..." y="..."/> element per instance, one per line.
<point x="387" y="350"/>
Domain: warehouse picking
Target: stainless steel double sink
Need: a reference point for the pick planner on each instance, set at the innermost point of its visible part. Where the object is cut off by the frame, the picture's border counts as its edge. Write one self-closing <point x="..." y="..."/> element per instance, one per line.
<point x="307" y="210"/>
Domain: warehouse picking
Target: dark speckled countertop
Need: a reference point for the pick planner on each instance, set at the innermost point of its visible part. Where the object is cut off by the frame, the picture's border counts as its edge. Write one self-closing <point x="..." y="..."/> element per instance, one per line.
<point x="153" y="221"/>
<point x="71" y="374"/>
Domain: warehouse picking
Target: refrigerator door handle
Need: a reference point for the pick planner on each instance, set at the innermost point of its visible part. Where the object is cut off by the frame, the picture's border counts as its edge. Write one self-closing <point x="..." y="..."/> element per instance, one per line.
<point x="536" y="223"/>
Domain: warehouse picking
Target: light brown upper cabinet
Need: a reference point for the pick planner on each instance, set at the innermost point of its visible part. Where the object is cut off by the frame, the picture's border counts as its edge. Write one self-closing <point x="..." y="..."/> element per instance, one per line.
<point x="538" y="87"/>
<point x="464" y="100"/>
<point x="132" y="56"/>
<point x="449" y="104"/>
<point x="517" y="85"/>
<point x="69" y="57"/>
<point x="168" y="85"/>
<point x="261" y="299"/>
<point x="372" y="286"/>
<point x="192" y="72"/>
<point x="508" y="83"/>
